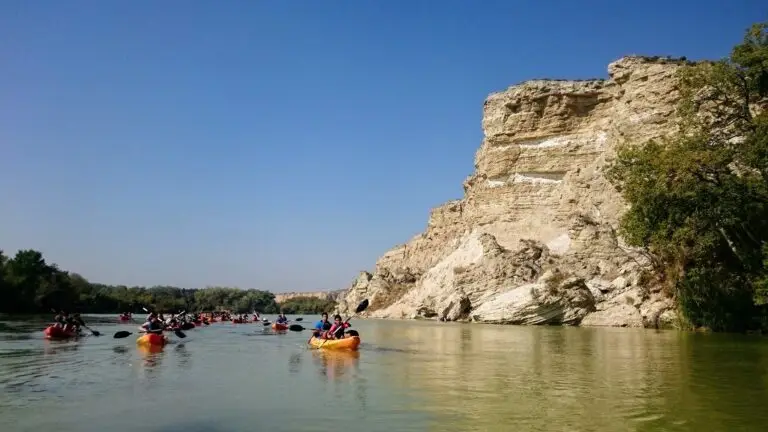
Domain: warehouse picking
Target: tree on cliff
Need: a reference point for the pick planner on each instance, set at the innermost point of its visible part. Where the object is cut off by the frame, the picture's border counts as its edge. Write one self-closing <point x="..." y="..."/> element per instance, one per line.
<point x="699" y="198"/>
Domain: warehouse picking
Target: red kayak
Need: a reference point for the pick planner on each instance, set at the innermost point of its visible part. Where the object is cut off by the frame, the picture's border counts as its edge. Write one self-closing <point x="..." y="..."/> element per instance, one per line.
<point x="58" y="333"/>
<point x="124" y="318"/>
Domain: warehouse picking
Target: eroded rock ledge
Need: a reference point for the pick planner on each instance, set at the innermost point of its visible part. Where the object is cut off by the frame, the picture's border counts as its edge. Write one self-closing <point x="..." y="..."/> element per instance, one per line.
<point x="533" y="240"/>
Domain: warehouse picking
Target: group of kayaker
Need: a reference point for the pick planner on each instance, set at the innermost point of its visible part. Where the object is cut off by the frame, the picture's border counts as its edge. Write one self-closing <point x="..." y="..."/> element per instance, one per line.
<point x="324" y="329"/>
<point x="156" y="322"/>
<point x="228" y="316"/>
<point x="68" y="323"/>
<point x="244" y="318"/>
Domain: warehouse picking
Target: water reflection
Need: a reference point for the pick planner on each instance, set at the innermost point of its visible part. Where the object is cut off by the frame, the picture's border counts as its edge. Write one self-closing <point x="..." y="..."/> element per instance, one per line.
<point x="617" y="379"/>
<point x="183" y="355"/>
<point x="294" y="363"/>
<point x="54" y="347"/>
<point x="333" y="364"/>
<point x="152" y="355"/>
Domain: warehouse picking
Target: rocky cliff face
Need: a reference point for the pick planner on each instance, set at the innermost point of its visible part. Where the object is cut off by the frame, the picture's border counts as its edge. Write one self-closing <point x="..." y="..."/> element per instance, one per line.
<point x="533" y="240"/>
<point x="323" y="295"/>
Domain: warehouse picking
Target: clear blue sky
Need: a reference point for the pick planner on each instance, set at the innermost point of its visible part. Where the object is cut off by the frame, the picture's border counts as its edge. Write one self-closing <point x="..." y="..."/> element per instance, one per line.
<point x="282" y="145"/>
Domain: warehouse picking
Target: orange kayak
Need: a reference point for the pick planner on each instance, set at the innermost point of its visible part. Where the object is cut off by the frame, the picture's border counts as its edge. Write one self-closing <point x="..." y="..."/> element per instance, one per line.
<point x="348" y="343"/>
<point x="153" y="339"/>
<point x="277" y="326"/>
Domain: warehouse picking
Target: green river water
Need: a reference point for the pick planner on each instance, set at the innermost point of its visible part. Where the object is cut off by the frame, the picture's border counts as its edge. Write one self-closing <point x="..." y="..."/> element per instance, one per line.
<point x="407" y="376"/>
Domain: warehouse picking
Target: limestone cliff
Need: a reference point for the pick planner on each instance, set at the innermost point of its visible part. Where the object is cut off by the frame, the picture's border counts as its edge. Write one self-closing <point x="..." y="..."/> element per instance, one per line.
<point x="323" y="295"/>
<point x="533" y="240"/>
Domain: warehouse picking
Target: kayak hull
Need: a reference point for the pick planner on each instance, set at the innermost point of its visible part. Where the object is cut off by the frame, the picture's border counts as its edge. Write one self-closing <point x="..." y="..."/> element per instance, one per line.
<point x="58" y="333"/>
<point x="277" y="326"/>
<point x="349" y="343"/>
<point x="151" y="339"/>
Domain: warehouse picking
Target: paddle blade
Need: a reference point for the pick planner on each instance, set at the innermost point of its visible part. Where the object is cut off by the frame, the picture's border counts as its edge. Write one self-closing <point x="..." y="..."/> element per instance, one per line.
<point x="187" y="326"/>
<point x="95" y="333"/>
<point x="122" y="334"/>
<point x="266" y="323"/>
<point x="362" y="306"/>
<point x="295" y="327"/>
<point x="299" y="319"/>
<point x="206" y="323"/>
<point x="180" y="334"/>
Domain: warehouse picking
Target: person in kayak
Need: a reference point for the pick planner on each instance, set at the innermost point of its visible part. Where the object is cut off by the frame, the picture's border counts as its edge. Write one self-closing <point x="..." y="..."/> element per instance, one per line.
<point x="77" y="322"/>
<point x="153" y="325"/>
<point x="70" y="323"/>
<point x="281" y="319"/>
<point x="337" y="329"/>
<point x="323" y="325"/>
<point x="60" y="319"/>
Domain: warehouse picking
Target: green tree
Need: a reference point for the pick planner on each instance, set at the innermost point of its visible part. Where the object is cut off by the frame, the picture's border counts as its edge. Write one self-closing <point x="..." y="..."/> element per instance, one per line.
<point x="307" y="305"/>
<point x="699" y="198"/>
<point x="29" y="284"/>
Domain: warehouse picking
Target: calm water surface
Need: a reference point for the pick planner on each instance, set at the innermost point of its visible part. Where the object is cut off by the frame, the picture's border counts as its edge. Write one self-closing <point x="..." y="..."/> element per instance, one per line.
<point x="407" y="376"/>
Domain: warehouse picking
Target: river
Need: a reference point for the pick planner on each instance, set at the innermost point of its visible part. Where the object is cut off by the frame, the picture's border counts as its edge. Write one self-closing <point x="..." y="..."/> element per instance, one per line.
<point x="407" y="376"/>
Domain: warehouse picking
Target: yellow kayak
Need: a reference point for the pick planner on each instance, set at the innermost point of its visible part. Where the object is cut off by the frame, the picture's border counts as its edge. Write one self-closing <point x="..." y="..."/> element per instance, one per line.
<point x="348" y="343"/>
<point x="152" y="339"/>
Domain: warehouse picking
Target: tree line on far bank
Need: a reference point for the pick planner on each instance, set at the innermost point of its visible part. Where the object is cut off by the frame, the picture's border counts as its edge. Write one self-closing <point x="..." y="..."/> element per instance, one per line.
<point x="29" y="284"/>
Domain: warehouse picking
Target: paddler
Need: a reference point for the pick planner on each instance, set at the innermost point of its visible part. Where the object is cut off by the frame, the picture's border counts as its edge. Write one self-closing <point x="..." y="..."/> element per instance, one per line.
<point x="70" y="324"/>
<point x="337" y="329"/>
<point x="322" y="325"/>
<point x="60" y="319"/>
<point x="153" y="325"/>
<point x="77" y="322"/>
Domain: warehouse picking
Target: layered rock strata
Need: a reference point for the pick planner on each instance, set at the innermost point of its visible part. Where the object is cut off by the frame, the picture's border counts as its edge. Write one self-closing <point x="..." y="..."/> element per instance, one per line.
<point x="533" y="240"/>
<point x="322" y="295"/>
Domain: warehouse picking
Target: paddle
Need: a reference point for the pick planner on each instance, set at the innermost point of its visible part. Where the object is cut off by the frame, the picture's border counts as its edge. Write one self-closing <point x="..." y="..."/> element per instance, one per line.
<point x="361" y="307"/>
<point x="93" y="332"/>
<point x="299" y="319"/>
<point x="122" y="334"/>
